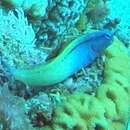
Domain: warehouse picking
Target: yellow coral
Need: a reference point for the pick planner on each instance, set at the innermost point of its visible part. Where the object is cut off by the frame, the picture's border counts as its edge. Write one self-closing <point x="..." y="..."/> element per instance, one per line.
<point x="109" y="108"/>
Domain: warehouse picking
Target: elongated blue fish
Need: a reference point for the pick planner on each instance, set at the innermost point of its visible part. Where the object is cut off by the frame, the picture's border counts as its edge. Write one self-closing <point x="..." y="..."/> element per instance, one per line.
<point x="78" y="54"/>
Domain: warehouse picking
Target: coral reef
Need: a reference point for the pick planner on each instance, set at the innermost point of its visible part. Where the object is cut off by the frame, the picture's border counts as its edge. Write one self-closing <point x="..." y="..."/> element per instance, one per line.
<point x="30" y="30"/>
<point x="96" y="15"/>
<point x="36" y="8"/>
<point x="62" y="23"/>
<point x="109" y="108"/>
<point x="40" y="106"/>
<point x="12" y="114"/>
<point x="62" y="17"/>
<point x="17" y="40"/>
<point x="96" y="12"/>
<point x="57" y="18"/>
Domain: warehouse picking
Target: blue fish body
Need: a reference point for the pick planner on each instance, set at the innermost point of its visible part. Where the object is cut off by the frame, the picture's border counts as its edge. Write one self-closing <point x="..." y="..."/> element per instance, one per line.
<point x="86" y="52"/>
<point x="78" y="54"/>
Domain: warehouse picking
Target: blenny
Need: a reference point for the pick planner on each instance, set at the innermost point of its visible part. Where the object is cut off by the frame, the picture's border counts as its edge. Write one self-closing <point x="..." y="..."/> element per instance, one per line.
<point x="78" y="54"/>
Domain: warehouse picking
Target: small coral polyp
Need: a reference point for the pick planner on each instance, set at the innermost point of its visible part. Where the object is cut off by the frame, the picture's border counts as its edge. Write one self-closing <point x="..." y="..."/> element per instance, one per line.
<point x="109" y="109"/>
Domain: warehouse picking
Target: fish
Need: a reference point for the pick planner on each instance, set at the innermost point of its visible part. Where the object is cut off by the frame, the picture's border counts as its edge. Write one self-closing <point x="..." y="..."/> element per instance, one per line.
<point x="80" y="53"/>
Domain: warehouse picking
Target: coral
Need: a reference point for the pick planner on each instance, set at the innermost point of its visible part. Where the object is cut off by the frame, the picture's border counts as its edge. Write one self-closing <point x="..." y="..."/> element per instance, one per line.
<point x="112" y="23"/>
<point x="82" y="22"/>
<point x="96" y="12"/>
<point x="96" y="15"/>
<point x="15" y="25"/>
<point x="12" y="111"/>
<point x="109" y="108"/>
<point x="56" y="28"/>
<point x="57" y="19"/>
<point x="17" y="40"/>
<point x="17" y="46"/>
<point x="39" y="109"/>
<point x="37" y="8"/>
<point x="62" y="16"/>
<point x="4" y="75"/>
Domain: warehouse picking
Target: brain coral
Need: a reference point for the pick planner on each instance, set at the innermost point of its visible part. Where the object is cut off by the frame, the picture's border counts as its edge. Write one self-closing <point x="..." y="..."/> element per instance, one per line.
<point x="109" y="108"/>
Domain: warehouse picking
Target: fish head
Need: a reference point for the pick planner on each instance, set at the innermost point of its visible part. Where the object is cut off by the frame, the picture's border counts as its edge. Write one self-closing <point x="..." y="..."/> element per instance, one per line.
<point x="102" y="40"/>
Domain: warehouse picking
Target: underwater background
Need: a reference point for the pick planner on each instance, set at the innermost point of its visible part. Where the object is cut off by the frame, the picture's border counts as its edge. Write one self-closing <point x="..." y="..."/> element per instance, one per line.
<point x="64" y="65"/>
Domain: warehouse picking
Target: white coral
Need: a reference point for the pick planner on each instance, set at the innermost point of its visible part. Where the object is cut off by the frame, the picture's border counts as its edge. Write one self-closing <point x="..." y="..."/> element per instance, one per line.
<point x="17" y="40"/>
<point x="16" y="26"/>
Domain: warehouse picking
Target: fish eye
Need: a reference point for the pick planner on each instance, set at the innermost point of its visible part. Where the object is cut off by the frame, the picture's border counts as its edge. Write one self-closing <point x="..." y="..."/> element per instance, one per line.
<point x="107" y="35"/>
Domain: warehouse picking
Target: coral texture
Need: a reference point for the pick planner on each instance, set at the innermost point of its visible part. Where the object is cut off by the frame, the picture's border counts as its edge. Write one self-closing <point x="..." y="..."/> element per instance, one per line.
<point x="37" y="8"/>
<point x="17" y="40"/>
<point x="60" y="20"/>
<point x="109" y="108"/>
<point x="12" y="114"/>
<point x="40" y="105"/>
<point x="57" y="17"/>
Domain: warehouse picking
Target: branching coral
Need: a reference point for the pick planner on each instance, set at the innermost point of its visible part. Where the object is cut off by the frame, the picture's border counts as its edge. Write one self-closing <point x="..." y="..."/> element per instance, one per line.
<point x="109" y="109"/>
<point x="17" y="40"/>
<point x="16" y="26"/>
